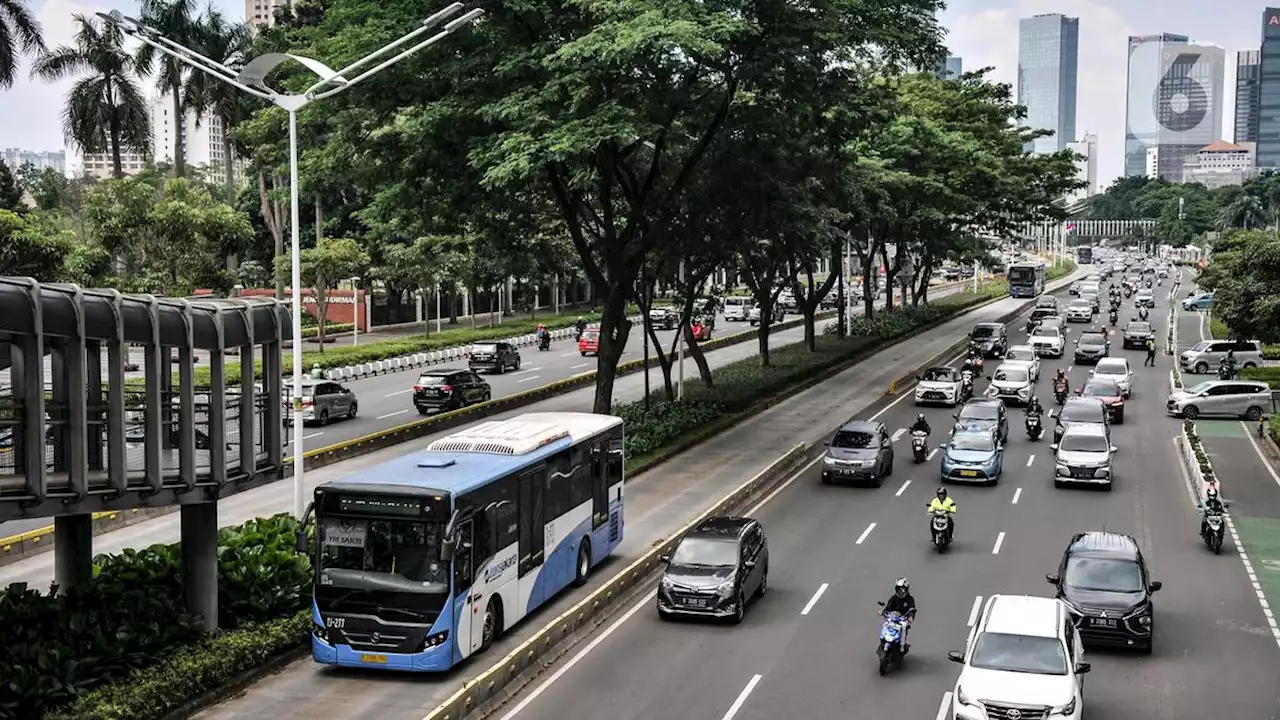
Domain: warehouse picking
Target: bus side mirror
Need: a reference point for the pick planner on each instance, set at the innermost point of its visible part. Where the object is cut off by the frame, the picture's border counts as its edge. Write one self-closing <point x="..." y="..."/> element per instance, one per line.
<point x="446" y="549"/>
<point x="304" y="546"/>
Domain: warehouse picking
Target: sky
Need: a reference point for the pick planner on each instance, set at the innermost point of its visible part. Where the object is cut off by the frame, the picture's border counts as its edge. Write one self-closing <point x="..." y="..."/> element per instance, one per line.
<point x="982" y="32"/>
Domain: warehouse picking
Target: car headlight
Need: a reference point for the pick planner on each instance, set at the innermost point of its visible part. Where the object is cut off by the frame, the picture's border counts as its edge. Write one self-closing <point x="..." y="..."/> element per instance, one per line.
<point x="992" y="391"/>
<point x="829" y="461"/>
<point x="1064" y="471"/>
<point x="725" y="589"/>
<point x="1025" y="392"/>
<point x="1102" y="472"/>
<point x="1064" y="709"/>
<point x="667" y="584"/>
<point x="963" y="698"/>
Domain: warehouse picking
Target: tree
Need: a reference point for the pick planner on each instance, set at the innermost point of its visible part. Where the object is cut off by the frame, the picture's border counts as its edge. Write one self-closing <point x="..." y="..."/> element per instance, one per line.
<point x="19" y="33"/>
<point x="27" y="251"/>
<point x="226" y="43"/>
<point x="50" y="189"/>
<point x="332" y="260"/>
<point x="174" y="19"/>
<point x="420" y="265"/>
<point x="190" y="232"/>
<point x="10" y="191"/>
<point x="1245" y="279"/>
<point x="105" y="111"/>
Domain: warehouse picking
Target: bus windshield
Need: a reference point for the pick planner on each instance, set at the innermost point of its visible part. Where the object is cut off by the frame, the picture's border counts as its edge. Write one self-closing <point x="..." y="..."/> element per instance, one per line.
<point x="1021" y="274"/>
<point x="375" y="554"/>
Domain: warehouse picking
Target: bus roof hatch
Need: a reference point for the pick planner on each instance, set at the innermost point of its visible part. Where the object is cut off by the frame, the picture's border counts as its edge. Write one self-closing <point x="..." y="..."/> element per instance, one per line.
<point x="501" y="437"/>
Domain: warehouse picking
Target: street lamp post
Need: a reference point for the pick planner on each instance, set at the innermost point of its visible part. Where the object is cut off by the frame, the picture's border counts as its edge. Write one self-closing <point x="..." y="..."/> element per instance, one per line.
<point x="251" y="79"/>
<point x="355" y="314"/>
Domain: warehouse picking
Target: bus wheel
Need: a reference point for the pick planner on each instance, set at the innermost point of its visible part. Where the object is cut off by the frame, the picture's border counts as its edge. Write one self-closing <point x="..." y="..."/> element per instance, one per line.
<point x="583" y="568"/>
<point x="492" y="625"/>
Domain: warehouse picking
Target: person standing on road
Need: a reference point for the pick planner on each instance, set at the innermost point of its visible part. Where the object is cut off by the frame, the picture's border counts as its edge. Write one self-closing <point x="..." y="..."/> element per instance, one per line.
<point x="1151" y="353"/>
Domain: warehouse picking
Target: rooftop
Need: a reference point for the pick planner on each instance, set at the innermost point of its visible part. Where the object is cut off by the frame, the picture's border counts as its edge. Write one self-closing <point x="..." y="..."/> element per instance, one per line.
<point x="1223" y="146"/>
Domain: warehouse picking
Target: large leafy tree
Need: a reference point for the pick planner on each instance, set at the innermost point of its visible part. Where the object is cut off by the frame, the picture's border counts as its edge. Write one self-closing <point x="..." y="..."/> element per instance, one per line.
<point x="19" y="33"/>
<point x="330" y="262"/>
<point x="177" y="21"/>
<point x="10" y="190"/>
<point x="1245" y="278"/>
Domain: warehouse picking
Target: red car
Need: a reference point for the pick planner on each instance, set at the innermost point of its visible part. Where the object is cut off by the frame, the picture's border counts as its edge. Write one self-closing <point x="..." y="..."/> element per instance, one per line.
<point x="1109" y="394"/>
<point x="589" y="343"/>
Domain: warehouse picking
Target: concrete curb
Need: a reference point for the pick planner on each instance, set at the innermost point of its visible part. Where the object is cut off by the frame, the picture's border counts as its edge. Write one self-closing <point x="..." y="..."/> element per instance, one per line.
<point x="34" y="542"/>
<point x="587" y="612"/>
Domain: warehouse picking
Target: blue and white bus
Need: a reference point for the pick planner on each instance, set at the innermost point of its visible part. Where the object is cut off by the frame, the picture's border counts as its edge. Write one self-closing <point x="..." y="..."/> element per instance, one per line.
<point x="1025" y="279"/>
<point x="425" y="560"/>
<point x="1084" y="255"/>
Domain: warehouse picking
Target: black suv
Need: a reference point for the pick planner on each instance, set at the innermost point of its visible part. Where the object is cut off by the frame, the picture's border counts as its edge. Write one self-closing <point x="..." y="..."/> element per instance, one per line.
<point x="449" y="389"/>
<point x="991" y="339"/>
<point x="494" y="356"/>
<point x="715" y="570"/>
<point x="1136" y="334"/>
<point x="861" y="450"/>
<point x="1104" y="580"/>
<point x="1039" y="314"/>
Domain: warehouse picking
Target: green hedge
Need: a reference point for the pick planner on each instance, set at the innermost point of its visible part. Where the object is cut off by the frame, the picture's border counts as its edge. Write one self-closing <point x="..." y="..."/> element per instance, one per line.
<point x="1063" y="270"/>
<point x="1268" y="373"/>
<point x="1271" y="352"/>
<point x="132" y="616"/>
<point x="1218" y="329"/>
<point x="1202" y="458"/>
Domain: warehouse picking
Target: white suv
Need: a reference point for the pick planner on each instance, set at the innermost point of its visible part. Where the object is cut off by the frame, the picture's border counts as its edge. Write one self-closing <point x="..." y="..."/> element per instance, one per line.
<point x="1022" y="660"/>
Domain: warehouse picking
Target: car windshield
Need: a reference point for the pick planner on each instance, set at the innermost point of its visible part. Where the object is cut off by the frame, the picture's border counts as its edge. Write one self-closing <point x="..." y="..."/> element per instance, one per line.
<point x="940" y="375"/>
<point x="372" y="554"/>
<point x="852" y="440"/>
<point x="1200" y="388"/>
<point x="590" y="335"/>
<point x="1084" y="442"/>
<point x="1201" y="346"/>
<point x="433" y="379"/>
<point x="979" y="412"/>
<point x="983" y="331"/>
<point x="1138" y="327"/>
<point x="1021" y="353"/>
<point x="1019" y="653"/>
<point x="1101" y="389"/>
<point x="1103" y="574"/>
<point x="1092" y="339"/>
<point x="1082" y="412"/>
<point x="1080" y="304"/>
<point x="973" y="442"/>
<point x="1013" y="375"/>
<point x="1046" y="333"/>
<point x="706" y="552"/>
<point x="484" y="348"/>
<point x="1111" y="367"/>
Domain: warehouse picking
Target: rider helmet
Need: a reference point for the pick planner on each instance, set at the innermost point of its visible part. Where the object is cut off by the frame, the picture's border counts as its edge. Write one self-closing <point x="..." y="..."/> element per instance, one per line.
<point x="1211" y="493"/>
<point x="942" y="493"/>
<point x="920" y="417"/>
<point x="902" y="587"/>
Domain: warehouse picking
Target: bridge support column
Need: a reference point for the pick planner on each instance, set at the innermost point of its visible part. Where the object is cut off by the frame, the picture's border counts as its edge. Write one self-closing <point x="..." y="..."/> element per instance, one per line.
<point x="200" y="561"/>
<point x="73" y="550"/>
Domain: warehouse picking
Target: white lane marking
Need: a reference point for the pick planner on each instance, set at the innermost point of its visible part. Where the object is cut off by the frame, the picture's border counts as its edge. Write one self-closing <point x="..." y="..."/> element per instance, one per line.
<point x="1070" y="368"/>
<point x="902" y="489"/>
<point x="742" y="697"/>
<point x="384" y="417"/>
<point x="973" y="612"/>
<point x="569" y="354"/>
<point x="1257" y="449"/>
<point x="647" y="602"/>
<point x="1031" y="459"/>
<point x="398" y="392"/>
<point x="575" y="367"/>
<point x="932" y="453"/>
<point x="814" y="600"/>
<point x="529" y="379"/>
<point x="897" y="434"/>
<point x="999" y="541"/>
<point x="532" y="369"/>
<point x="1017" y="494"/>
<point x="1244" y="557"/>
<point x="865" y="533"/>
<point x="307" y="437"/>
<point x="945" y="707"/>
<point x="808" y="466"/>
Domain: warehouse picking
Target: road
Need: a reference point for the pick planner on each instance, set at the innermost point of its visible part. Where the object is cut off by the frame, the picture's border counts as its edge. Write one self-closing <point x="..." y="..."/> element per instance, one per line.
<point x="808" y="647"/>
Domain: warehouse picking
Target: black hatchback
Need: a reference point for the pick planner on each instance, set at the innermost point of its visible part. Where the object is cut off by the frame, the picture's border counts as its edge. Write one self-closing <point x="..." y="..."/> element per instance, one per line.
<point x="449" y="389"/>
<point x="716" y="568"/>
<point x="1104" y="580"/>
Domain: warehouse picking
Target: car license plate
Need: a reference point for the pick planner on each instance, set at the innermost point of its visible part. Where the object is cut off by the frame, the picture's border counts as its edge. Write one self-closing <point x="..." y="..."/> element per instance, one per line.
<point x="1102" y="622"/>
<point x="371" y="658"/>
<point x="695" y="602"/>
<point x="968" y="473"/>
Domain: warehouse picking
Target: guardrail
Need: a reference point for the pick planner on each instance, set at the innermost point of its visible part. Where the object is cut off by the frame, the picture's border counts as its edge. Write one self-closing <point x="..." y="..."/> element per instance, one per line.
<point x="589" y="611"/>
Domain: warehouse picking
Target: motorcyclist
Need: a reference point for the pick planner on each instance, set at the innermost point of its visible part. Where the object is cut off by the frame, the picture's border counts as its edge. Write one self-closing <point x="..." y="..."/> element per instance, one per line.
<point x="920" y="425"/>
<point x="1060" y="381"/>
<point x="901" y="602"/>
<point x="943" y="502"/>
<point x="1213" y="504"/>
<point x="1034" y="407"/>
<point x="1230" y="362"/>
<point x="1142" y="313"/>
<point x="580" y="326"/>
<point x="544" y="337"/>
<point x="317" y="372"/>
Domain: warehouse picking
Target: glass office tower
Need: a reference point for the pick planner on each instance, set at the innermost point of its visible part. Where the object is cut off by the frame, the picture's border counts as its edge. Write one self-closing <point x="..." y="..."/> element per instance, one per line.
<point x="1174" y="101"/>
<point x="1048" y="59"/>
<point x="1269" y="92"/>
<point x="1248" y="74"/>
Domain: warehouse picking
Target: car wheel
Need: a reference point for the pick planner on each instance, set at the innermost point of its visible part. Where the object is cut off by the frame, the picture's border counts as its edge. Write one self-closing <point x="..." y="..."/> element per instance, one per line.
<point x="517" y="366"/>
<point x="1249" y="365"/>
<point x="422" y="410"/>
<point x="324" y="418"/>
<point x="1191" y="412"/>
<point x="740" y="608"/>
<point x="1252" y="414"/>
<point x="1202" y="368"/>
<point x="764" y="582"/>
<point x="351" y="414"/>
<point x="500" y="368"/>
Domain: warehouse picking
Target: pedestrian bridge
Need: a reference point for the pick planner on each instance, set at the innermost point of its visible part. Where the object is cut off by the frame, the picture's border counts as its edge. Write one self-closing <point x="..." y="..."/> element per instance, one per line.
<point x="1090" y="229"/>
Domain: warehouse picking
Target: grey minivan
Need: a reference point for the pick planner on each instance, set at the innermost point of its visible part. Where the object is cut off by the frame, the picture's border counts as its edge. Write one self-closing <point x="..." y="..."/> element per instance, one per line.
<point x="1206" y="355"/>
<point x="861" y="451"/>
<point x="1233" y="398"/>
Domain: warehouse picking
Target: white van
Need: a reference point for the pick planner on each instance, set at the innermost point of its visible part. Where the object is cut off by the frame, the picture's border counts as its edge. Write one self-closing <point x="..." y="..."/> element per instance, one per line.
<point x="736" y="308"/>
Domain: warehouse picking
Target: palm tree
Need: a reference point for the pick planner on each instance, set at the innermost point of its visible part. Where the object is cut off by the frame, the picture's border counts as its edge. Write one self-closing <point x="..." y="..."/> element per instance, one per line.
<point x="226" y="43"/>
<point x="174" y="19"/>
<point x="1246" y="211"/>
<point x="105" y="111"/>
<point x="18" y="30"/>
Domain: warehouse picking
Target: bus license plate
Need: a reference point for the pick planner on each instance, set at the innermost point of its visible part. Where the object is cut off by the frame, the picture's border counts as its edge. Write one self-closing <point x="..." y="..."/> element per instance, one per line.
<point x="1103" y="622"/>
<point x="370" y="658"/>
<point x="968" y="473"/>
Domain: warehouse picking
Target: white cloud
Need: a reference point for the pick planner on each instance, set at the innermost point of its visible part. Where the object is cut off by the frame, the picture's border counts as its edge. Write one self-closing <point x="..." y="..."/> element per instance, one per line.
<point x="990" y="38"/>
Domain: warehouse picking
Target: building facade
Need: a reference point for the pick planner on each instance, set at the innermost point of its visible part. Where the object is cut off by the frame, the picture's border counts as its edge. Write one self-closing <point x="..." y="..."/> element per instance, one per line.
<point x="1174" y="101"/>
<point x="203" y="140"/>
<point x="1268" y="138"/>
<point x="1220" y="164"/>
<point x="1248" y="73"/>
<point x="954" y="66"/>
<point x="16" y="158"/>
<point x="261" y="13"/>
<point x="1086" y="167"/>
<point x="1048" y="69"/>
<point x="99" y="165"/>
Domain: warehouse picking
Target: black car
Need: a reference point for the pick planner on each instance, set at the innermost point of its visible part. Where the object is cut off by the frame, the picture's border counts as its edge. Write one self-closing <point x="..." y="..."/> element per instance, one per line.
<point x="1080" y="411"/>
<point x="715" y="570"/>
<point x="991" y="339"/>
<point x="1039" y="314"/>
<point x="1136" y="334"/>
<point x="449" y="389"/>
<point x="494" y="356"/>
<point x="1092" y="347"/>
<point x="861" y="450"/>
<point x="1104" y="580"/>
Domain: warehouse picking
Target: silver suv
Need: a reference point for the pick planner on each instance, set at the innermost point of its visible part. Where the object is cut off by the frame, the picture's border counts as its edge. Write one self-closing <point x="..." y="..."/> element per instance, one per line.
<point x="325" y="400"/>
<point x="1083" y="456"/>
<point x="1233" y="398"/>
<point x="1207" y="355"/>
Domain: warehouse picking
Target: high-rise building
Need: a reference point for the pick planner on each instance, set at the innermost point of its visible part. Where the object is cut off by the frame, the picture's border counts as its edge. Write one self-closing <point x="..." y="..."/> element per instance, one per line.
<point x="202" y="138"/>
<point x="1086" y="167"/>
<point x="1248" y="72"/>
<point x="1174" y="101"/>
<point x="100" y="165"/>
<point x="1269" y="92"/>
<point x="1048" y="58"/>
<point x="261" y="13"/>
<point x="954" y="66"/>
<point x="16" y="158"/>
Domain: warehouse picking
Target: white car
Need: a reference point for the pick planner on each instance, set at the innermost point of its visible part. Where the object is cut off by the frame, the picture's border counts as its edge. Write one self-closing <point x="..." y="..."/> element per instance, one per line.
<point x="1048" y="341"/>
<point x="1117" y="370"/>
<point x="1144" y="298"/>
<point x="1080" y="311"/>
<point x="1023" y="659"/>
<point x="1024" y="355"/>
<point x="1011" y="383"/>
<point x="939" y="384"/>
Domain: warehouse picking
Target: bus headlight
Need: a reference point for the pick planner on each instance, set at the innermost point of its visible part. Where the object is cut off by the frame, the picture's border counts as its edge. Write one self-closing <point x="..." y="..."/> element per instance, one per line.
<point x="436" y="640"/>
<point x="320" y="633"/>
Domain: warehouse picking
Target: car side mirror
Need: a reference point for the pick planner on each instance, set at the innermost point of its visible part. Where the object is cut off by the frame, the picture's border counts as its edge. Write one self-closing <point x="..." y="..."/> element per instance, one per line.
<point x="956" y="656"/>
<point x="826" y="444"/>
<point x="955" y="415"/>
<point x="1053" y="413"/>
<point x="749" y="564"/>
<point x="1054" y="447"/>
<point x="1052" y="579"/>
<point x="1082" y="668"/>
<point x="1115" y="449"/>
<point x="664" y="559"/>
<point x="1155" y="586"/>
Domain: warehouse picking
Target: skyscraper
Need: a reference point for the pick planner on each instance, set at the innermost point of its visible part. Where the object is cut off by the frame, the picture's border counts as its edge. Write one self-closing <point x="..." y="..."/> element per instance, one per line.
<point x="955" y="66"/>
<point x="1048" y="58"/>
<point x="1269" y="92"/>
<point x="1086" y="167"/>
<point x="1248" y="72"/>
<point x="1174" y="101"/>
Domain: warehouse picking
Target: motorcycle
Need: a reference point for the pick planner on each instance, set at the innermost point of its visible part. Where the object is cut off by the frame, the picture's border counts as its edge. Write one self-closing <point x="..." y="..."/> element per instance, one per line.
<point x="1226" y="371"/>
<point x="920" y="445"/>
<point x="544" y="342"/>
<point x="1213" y="531"/>
<point x="1128" y="292"/>
<point x="1114" y="317"/>
<point x="1060" y="394"/>
<point x="1035" y="428"/>
<point x="1142" y="313"/>
<point x="893" y="636"/>
<point x="940" y="527"/>
<point x="966" y="386"/>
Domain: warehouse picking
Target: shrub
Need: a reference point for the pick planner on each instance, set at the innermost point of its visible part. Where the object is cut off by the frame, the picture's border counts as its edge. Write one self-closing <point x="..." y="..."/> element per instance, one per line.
<point x="1267" y="373"/>
<point x="1217" y="329"/>
<point x="1063" y="270"/>
<point x="1271" y="352"/>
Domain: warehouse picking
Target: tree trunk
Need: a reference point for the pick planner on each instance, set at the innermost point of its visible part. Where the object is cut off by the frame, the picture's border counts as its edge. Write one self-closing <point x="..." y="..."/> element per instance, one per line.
<point x="666" y="360"/>
<point x="699" y="358"/>
<point x="453" y="307"/>
<point x="322" y="308"/>
<point x="762" y="336"/>
<point x="471" y="305"/>
<point x="615" y="327"/>
<point x="179" y="125"/>
<point x="117" y="166"/>
<point x="319" y="220"/>
<point x="271" y="218"/>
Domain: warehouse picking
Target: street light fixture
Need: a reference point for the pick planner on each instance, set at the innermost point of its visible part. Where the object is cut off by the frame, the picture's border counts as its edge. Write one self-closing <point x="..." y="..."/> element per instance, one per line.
<point x="251" y="79"/>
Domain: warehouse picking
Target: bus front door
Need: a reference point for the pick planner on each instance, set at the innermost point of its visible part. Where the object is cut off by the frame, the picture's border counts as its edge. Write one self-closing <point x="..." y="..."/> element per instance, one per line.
<point x="469" y="628"/>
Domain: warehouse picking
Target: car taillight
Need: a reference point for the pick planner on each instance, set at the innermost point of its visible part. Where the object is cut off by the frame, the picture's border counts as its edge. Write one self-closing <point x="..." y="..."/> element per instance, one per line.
<point x="308" y="402"/>
<point x="417" y="388"/>
<point x="446" y="388"/>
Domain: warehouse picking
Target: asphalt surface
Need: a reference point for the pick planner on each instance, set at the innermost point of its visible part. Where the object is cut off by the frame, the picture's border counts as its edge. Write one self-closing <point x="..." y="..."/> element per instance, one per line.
<point x="808" y="648"/>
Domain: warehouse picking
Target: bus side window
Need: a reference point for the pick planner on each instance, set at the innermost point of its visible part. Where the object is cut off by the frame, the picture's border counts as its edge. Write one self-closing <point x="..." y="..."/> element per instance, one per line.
<point x="462" y="566"/>
<point x="580" y="481"/>
<point x="599" y="481"/>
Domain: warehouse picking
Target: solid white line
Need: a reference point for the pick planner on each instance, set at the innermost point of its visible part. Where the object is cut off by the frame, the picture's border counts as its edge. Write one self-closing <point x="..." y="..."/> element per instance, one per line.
<point x="814" y="600"/>
<point x="529" y="379"/>
<point x="1017" y="494"/>
<point x="902" y="489"/>
<point x="384" y="417"/>
<point x="945" y="707"/>
<point x="527" y="370"/>
<point x="742" y="697"/>
<point x="569" y="354"/>
<point x="575" y="367"/>
<point x="307" y="437"/>
<point x="897" y="434"/>
<point x="999" y="541"/>
<point x="398" y="392"/>
<point x="645" y="603"/>
<point x="973" y="612"/>
<point x="808" y="466"/>
<point x="932" y="453"/>
<point x="1031" y="459"/>
<point x="865" y="533"/>
<point x="1257" y="449"/>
